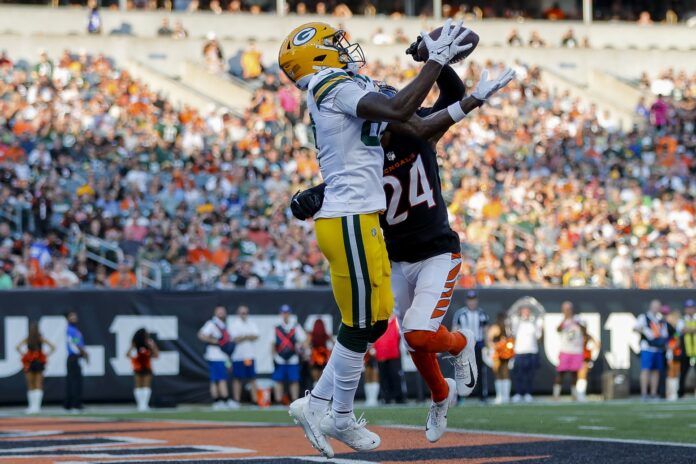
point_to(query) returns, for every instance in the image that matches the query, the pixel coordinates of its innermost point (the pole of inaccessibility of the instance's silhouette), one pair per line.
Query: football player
(348, 115)
(423, 249)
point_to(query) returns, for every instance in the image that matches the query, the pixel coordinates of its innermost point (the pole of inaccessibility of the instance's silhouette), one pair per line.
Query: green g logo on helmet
(304, 36)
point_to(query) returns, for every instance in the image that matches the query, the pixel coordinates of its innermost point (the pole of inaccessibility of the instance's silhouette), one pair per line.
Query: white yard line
(553, 436)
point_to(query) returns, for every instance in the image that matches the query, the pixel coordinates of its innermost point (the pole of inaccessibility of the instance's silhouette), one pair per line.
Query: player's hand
(413, 50)
(305, 204)
(487, 87)
(448, 45)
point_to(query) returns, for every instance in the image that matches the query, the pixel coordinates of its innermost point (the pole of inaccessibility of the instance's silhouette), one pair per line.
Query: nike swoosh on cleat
(473, 380)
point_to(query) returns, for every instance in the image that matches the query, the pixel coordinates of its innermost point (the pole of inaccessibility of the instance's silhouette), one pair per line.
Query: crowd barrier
(108, 320)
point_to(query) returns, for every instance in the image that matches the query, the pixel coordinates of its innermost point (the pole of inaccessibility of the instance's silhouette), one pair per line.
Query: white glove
(448, 45)
(485, 87)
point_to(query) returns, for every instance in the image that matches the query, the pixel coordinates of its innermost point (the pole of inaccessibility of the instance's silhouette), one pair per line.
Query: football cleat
(436, 423)
(465, 368)
(355, 435)
(309, 420)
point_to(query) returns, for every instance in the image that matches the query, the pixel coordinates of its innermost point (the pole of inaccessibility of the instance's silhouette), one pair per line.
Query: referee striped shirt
(475, 321)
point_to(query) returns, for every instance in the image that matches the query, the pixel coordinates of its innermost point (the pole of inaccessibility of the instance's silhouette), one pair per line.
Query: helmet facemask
(351, 54)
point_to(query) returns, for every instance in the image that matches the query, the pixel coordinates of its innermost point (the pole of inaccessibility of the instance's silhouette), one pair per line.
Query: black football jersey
(415, 223)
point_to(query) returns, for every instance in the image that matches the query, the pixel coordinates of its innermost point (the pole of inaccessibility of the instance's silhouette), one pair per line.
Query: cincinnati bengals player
(348, 114)
(423, 249)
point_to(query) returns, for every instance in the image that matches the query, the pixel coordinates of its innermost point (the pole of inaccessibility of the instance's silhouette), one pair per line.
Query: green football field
(653, 421)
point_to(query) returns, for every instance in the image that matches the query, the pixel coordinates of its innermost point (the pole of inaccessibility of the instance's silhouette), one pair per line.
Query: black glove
(305, 204)
(413, 49)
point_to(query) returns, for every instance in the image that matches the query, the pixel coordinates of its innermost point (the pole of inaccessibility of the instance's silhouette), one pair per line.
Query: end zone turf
(205, 437)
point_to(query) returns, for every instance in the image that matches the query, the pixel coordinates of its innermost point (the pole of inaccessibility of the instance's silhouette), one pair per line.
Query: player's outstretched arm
(376, 107)
(437, 123)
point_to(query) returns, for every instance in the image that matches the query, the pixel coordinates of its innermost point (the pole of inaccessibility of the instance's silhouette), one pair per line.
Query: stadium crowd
(542, 188)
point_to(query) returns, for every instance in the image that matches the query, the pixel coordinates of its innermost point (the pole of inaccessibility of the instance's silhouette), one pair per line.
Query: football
(472, 38)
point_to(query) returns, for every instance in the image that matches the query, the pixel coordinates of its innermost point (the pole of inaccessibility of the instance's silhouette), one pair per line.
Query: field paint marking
(594, 427)
(217, 459)
(553, 436)
(29, 433)
(56, 445)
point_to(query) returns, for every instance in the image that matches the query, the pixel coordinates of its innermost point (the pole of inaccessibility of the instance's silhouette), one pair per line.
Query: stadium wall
(109, 319)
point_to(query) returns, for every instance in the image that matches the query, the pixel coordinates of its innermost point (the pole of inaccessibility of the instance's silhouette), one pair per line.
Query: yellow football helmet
(314, 46)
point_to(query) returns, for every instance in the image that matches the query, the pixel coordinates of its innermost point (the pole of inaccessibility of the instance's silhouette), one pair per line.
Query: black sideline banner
(108, 320)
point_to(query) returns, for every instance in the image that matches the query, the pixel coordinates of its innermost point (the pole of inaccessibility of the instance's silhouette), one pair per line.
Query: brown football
(472, 38)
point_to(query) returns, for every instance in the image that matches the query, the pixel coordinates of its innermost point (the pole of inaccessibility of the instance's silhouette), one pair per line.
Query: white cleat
(465, 368)
(309, 421)
(355, 435)
(437, 416)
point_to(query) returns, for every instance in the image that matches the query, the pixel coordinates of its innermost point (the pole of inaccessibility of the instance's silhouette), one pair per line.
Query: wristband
(456, 112)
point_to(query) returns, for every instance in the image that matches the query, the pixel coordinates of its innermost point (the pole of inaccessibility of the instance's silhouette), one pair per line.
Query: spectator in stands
(644, 19)
(382, 38)
(285, 349)
(320, 8)
(653, 340)
(658, 113)
(527, 331)
(473, 318)
(555, 13)
(164, 29)
(142, 351)
(6, 282)
(179, 31)
(568, 39)
(212, 53)
(514, 39)
(215, 335)
(251, 61)
(535, 40)
(75, 343)
(63, 276)
(572, 332)
(94, 21)
(123, 277)
(34, 359)
(388, 355)
(244, 333)
(342, 11)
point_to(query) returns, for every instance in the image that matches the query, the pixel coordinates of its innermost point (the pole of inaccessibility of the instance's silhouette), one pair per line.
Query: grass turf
(665, 422)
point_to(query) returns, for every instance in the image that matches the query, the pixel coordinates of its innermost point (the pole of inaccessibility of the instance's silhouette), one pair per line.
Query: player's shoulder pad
(323, 82)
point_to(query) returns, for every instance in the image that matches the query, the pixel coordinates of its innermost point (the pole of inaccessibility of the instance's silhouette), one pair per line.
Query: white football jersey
(350, 156)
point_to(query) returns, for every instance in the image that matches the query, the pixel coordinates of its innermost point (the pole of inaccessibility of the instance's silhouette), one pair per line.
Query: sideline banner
(108, 320)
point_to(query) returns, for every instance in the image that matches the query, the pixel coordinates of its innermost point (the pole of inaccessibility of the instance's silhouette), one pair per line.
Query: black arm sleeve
(451, 89)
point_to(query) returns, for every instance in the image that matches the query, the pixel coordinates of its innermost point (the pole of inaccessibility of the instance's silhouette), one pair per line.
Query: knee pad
(377, 330)
(354, 338)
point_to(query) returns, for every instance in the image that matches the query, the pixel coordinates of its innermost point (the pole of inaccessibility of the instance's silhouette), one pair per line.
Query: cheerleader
(141, 352)
(320, 349)
(502, 346)
(34, 363)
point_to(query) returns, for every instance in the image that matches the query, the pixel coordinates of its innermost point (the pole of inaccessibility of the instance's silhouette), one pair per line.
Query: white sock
(371, 393)
(574, 392)
(323, 390)
(581, 389)
(147, 392)
(556, 390)
(348, 367)
(508, 389)
(137, 396)
(498, 390)
(38, 398)
(30, 400)
(672, 389)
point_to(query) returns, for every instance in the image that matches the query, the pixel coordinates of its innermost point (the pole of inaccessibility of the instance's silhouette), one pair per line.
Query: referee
(473, 318)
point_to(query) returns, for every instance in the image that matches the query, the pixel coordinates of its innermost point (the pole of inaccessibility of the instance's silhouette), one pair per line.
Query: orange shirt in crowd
(122, 280)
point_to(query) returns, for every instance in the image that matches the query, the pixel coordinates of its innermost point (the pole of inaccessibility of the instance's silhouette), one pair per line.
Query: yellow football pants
(360, 269)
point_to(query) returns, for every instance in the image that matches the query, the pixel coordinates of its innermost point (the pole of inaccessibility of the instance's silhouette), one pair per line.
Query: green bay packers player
(348, 115)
